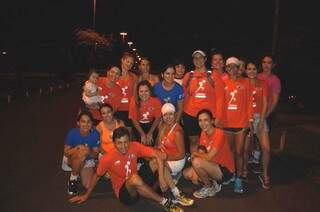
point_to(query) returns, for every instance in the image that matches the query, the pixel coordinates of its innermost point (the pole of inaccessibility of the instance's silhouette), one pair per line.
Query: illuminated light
(134, 50)
(4, 53)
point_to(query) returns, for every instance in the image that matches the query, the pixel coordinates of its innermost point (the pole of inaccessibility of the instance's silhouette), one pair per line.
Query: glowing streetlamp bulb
(134, 50)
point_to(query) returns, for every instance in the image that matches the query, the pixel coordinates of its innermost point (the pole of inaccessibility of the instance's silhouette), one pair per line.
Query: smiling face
(217, 62)
(199, 60)
(168, 75)
(106, 114)
(144, 92)
(251, 71)
(205, 122)
(85, 124)
(144, 66)
(113, 74)
(233, 70)
(122, 144)
(168, 118)
(127, 63)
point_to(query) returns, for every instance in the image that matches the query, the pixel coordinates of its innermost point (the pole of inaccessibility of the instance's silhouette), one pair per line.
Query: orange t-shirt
(201, 95)
(168, 140)
(122, 166)
(258, 91)
(148, 111)
(219, 141)
(111, 96)
(238, 103)
(106, 135)
(127, 88)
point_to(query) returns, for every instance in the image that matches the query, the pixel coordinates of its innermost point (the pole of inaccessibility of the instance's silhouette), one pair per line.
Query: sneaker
(171, 207)
(183, 200)
(264, 183)
(73, 187)
(238, 188)
(107, 176)
(232, 179)
(256, 170)
(216, 186)
(204, 192)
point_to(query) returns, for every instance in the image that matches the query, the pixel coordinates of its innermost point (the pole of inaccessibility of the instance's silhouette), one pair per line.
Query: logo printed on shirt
(145, 117)
(167, 99)
(232, 103)
(127, 169)
(199, 92)
(254, 104)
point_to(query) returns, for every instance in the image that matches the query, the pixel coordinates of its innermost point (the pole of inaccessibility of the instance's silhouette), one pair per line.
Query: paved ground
(32, 136)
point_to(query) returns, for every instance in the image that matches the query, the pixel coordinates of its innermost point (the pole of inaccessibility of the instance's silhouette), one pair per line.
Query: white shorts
(256, 120)
(176, 166)
(65, 164)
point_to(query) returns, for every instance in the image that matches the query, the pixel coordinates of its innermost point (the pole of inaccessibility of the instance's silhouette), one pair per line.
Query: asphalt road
(32, 138)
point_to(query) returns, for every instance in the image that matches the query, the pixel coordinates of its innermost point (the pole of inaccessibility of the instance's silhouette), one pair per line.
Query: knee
(197, 162)
(187, 174)
(135, 180)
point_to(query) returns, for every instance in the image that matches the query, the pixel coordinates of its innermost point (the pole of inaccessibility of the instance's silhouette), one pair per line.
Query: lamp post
(94, 14)
(130, 44)
(123, 35)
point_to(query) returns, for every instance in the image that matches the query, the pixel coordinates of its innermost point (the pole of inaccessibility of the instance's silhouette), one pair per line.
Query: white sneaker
(204, 192)
(216, 186)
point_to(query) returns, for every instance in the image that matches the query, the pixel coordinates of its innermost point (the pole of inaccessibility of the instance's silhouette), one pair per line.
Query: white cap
(167, 108)
(200, 52)
(233, 60)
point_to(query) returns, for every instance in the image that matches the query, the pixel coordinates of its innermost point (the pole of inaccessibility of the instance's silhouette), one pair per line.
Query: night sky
(163, 30)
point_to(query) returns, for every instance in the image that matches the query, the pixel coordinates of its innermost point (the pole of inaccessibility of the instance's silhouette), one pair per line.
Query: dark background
(38, 36)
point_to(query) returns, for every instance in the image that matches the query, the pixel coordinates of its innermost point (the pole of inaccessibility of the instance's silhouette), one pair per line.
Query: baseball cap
(167, 108)
(233, 60)
(200, 52)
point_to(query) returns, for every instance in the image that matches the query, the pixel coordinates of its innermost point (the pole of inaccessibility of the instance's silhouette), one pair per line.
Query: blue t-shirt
(74, 138)
(172, 96)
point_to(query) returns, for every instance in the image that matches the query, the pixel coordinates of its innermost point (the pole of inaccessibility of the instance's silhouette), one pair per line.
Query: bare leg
(265, 146)
(86, 175)
(206, 170)
(247, 144)
(239, 144)
(76, 162)
(190, 174)
(194, 142)
(136, 185)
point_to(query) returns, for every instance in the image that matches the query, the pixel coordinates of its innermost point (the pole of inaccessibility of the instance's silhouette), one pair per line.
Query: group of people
(142, 130)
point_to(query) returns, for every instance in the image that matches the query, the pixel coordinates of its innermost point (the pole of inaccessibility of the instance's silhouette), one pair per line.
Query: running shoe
(216, 186)
(230, 180)
(204, 192)
(171, 207)
(73, 187)
(253, 160)
(256, 169)
(264, 183)
(238, 188)
(183, 200)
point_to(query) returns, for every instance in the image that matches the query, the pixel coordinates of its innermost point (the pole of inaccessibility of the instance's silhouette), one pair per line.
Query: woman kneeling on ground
(213, 163)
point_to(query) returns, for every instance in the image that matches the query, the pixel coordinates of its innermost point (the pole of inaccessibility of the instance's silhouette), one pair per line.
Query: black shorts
(146, 173)
(233, 130)
(145, 127)
(226, 174)
(124, 116)
(125, 197)
(190, 125)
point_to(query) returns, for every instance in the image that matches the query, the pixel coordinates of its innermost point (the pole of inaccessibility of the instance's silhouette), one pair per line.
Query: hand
(162, 155)
(79, 199)
(83, 149)
(144, 139)
(149, 139)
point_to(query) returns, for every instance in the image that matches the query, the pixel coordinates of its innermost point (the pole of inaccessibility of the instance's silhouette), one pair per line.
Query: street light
(123, 34)
(94, 14)
(134, 49)
(130, 43)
